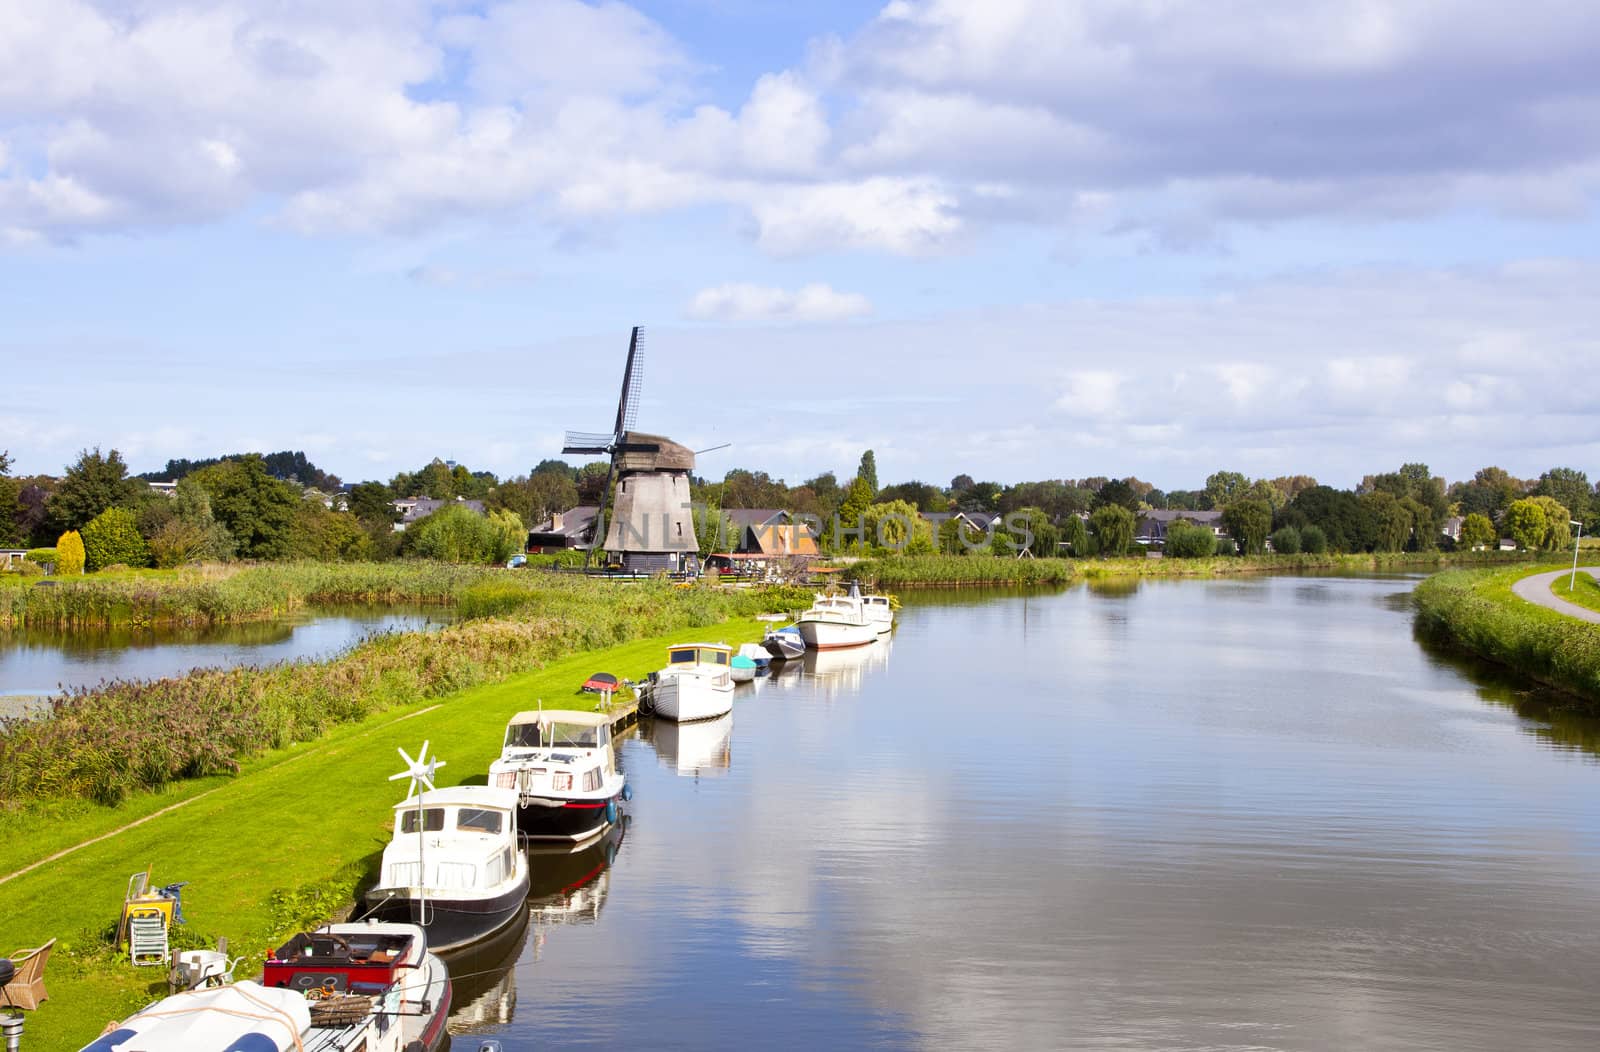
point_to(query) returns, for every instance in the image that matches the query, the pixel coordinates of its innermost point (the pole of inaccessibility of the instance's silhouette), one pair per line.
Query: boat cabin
(555, 751)
(473, 841)
(715, 654)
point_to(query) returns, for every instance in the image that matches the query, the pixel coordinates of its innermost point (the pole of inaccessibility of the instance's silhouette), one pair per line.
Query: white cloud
(745, 302)
(904, 216)
(1091, 393)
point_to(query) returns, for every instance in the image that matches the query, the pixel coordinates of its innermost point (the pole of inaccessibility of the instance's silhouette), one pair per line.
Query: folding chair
(147, 937)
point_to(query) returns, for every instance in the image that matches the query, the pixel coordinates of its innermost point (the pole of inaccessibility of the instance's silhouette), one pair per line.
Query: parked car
(516, 561)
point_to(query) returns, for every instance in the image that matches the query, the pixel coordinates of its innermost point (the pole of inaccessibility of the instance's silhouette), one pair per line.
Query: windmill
(652, 527)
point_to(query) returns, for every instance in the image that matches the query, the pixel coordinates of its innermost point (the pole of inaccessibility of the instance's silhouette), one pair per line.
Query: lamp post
(1573, 580)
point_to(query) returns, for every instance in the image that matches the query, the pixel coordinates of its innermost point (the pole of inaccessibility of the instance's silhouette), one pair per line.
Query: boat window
(574, 735)
(681, 657)
(721, 658)
(479, 820)
(523, 736)
(433, 822)
(591, 780)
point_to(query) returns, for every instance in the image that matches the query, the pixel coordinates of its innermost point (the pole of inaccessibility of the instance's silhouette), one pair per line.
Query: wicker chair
(26, 988)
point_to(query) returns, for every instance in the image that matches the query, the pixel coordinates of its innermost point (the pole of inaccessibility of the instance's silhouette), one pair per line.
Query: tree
(1112, 526)
(112, 538)
(328, 536)
(980, 496)
(1557, 523)
(10, 507)
(591, 481)
(853, 511)
(1118, 492)
(1186, 540)
(457, 534)
(69, 554)
(1346, 524)
(1313, 540)
(1391, 520)
(1223, 486)
(1291, 486)
(1030, 530)
(1568, 487)
(257, 510)
(1525, 521)
(1075, 534)
(896, 526)
(372, 502)
(1489, 493)
(1477, 531)
(91, 485)
(869, 471)
(1286, 540)
(1248, 522)
(921, 495)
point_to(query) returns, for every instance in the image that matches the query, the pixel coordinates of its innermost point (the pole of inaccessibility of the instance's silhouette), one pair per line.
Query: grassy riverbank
(1477, 611)
(910, 571)
(106, 742)
(1584, 591)
(287, 843)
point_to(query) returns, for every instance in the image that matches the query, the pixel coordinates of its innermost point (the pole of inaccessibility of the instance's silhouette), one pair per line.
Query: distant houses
(563, 530)
(415, 509)
(1152, 527)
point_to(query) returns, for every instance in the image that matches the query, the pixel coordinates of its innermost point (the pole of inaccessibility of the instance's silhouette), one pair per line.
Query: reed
(105, 742)
(1477, 611)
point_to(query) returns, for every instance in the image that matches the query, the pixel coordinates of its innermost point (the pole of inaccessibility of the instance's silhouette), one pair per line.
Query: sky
(1018, 239)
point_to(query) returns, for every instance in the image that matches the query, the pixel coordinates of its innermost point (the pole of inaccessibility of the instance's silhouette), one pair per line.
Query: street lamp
(1574, 579)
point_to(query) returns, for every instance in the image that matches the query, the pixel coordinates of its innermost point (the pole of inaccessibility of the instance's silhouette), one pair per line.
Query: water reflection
(483, 981)
(1250, 814)
(568, 886)
(703, 748)
(843, 671)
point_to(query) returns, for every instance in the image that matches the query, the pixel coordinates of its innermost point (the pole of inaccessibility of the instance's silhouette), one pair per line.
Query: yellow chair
(26, 988)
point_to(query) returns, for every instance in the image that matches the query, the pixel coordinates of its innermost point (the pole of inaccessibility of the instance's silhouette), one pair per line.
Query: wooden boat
(357, 987)
(836, 621)
(697, 683)
(564, 770)
(453, 867)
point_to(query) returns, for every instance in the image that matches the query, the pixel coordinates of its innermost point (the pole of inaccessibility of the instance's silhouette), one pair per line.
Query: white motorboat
(784, 644)
(356, 987)
(454, 867)
(697, 683)
(564, 770)
(880, 611)
(836, 621)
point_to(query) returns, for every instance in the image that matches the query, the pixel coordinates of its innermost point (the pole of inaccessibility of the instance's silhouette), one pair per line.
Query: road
(1536, 589)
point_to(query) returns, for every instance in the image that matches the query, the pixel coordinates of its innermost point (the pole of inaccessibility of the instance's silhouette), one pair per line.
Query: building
(1452, 527)
(651, 527)
(1152, 527)
(563, 530)
(415, 509)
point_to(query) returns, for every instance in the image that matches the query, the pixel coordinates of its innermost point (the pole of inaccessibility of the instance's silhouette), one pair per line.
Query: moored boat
(757, 655)
(697, 683)
(564, 770)
(836, 621)
(784, 644)
(356, 987)
(880, 611)
(453, 867)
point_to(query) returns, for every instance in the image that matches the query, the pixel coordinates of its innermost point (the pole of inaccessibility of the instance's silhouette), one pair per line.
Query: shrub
(1477, 530)
(69, 553)
(458, 535)
(1286, 541)
(1313, 541)
(113, 537)
(27, 569)
(42, 556)
(1185, 540)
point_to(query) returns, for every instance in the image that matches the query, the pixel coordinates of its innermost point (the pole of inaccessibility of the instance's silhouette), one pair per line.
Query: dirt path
(1536, 589)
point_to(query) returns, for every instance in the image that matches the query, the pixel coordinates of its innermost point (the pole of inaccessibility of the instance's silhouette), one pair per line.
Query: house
(10, 558)
(1508, 544)
(573, 528)
(971, 521)
(1452, 527)
(1153, 524)
(415, 509)
(771, 533)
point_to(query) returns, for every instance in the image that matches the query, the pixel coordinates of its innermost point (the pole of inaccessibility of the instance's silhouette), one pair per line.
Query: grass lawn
(287, 842)
(1586, 591)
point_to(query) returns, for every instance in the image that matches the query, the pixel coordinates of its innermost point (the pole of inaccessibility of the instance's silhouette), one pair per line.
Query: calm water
(36, 661)
(1248, 814)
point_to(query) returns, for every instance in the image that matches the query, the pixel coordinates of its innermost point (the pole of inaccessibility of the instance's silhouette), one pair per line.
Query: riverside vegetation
(1476, 610)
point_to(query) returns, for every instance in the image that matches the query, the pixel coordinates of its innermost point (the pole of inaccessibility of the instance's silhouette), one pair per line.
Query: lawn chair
(25, 989)
(147, 936)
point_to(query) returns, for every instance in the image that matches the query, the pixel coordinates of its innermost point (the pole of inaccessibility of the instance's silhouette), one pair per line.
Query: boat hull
(452, 923)
(785, 646)
(685, 699)
(552, 818)
(834, 635)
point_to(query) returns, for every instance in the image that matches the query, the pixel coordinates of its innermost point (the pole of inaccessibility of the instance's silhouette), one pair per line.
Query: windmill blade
(590, 442)
(632, 384)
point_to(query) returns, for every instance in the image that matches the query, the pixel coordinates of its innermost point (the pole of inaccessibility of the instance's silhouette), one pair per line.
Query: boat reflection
(483, 978)
(569, 885)
(844, 670)
(700, 749)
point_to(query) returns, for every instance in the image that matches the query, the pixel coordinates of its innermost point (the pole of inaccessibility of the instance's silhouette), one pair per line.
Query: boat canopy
(583, 719)
(480, 796)
(699, 653)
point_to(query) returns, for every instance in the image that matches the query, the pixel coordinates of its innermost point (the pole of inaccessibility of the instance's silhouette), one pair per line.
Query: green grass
(1477, 611)
(286, 843)
(1585, 591)
(946, 570)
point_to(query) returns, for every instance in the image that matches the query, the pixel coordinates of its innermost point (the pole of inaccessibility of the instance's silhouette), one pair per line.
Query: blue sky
(1017, 240)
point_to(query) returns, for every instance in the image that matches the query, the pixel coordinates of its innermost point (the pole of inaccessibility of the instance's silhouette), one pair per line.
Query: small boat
(601, 683)
(356, 987)
(563, 768)
(757, 654)
(453, 867)
(880, 611)
(784, 644)
(836, 621)
(696, 684)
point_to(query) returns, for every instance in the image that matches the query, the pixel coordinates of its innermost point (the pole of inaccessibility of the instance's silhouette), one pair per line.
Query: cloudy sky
(1017, 239)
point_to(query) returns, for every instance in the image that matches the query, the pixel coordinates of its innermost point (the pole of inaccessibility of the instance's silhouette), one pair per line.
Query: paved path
(1536, 589)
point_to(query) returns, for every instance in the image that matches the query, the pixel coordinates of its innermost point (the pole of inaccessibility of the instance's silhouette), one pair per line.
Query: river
(1234, 814)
